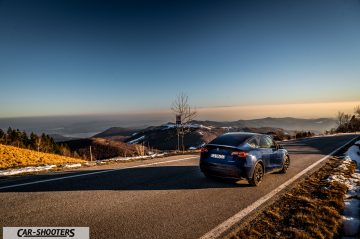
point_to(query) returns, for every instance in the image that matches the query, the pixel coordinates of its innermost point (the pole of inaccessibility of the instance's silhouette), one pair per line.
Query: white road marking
(97, 172)
(223, 227)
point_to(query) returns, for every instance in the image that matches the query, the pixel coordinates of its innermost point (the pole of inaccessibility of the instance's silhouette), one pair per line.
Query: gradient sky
(94, 57)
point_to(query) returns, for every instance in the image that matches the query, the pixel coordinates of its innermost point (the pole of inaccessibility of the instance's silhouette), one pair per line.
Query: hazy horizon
(230, 113)
(82, 126)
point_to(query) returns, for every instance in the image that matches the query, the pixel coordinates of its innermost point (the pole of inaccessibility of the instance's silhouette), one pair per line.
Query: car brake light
(203, 150)
(239, 154)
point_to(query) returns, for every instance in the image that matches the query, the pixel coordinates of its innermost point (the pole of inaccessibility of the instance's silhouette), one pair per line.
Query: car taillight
(203, 150)
(239, 154)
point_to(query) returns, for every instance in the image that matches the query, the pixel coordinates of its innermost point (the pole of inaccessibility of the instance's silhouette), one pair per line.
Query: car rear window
(231, 139)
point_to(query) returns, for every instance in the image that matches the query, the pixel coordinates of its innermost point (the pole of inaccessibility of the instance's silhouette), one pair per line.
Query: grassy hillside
(164, 138)
(13, 157)
(116, 131)
(102, 148)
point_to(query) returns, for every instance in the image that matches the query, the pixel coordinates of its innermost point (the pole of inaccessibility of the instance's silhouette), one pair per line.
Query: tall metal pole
(178, 123)
(178, 134)
(90, 154)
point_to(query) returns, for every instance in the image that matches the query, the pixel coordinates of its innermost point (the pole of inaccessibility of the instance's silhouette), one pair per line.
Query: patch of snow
(340, 178)
(350, 183)
(197, 126)
(192, 126)
(205, 127)
(354, 153)
(226, 127)
(168, 126)
(30, 169)
(137, 140)
(90, 163)
(350, 226)
(351, 213)
(351, 208)
(134, 157)
(76, 165)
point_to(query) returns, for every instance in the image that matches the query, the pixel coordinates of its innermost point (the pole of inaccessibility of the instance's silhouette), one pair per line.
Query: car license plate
(217, 156)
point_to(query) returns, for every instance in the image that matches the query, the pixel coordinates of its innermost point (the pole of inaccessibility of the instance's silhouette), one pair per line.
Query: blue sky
(91, 57)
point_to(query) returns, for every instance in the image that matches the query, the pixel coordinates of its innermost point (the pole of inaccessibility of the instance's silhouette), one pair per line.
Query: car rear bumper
(223, 170)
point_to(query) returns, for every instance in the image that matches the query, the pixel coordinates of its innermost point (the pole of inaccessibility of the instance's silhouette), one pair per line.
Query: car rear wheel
(258, 175)
(286, 164)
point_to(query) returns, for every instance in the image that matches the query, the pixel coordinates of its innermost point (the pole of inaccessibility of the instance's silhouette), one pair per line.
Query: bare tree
(357, 110)
(340, 118)
(182, 109)
(347, 118)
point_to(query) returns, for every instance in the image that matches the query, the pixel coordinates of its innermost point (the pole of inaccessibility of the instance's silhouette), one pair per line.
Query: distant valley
(83, 127)
(164, 137)
(81, 137)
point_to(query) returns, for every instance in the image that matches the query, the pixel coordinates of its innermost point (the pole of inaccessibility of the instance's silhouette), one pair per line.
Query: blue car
(243, 156)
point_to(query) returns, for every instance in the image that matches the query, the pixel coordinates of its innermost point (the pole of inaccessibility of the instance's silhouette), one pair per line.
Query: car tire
(286, 164)
(258, 175)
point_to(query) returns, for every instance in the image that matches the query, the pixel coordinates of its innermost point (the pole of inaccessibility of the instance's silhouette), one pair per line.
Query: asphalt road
(166, 200)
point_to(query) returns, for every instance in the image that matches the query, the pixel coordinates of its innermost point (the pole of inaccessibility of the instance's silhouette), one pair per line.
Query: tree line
(348, 122)
(41, 143)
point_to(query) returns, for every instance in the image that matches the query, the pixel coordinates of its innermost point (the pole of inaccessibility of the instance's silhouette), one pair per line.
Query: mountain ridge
(286, 123)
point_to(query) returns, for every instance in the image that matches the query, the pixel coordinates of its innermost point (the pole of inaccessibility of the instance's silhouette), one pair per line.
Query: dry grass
(12, 157)
(310, 210)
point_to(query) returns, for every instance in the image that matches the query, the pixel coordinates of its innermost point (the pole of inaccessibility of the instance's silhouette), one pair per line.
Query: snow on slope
(351, 213)
(33, 169)
(137, 140)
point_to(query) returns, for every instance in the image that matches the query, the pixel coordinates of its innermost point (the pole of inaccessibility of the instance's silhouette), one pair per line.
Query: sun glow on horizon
(225, 113)
(301, 110)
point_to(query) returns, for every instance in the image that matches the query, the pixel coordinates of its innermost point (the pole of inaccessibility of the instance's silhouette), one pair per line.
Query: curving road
(166, 198)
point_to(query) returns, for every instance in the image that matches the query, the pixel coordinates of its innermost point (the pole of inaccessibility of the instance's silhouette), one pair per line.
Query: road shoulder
(309, 209)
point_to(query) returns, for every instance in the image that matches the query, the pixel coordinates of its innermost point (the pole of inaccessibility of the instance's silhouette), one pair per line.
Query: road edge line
(227, 224)
(92, 173)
